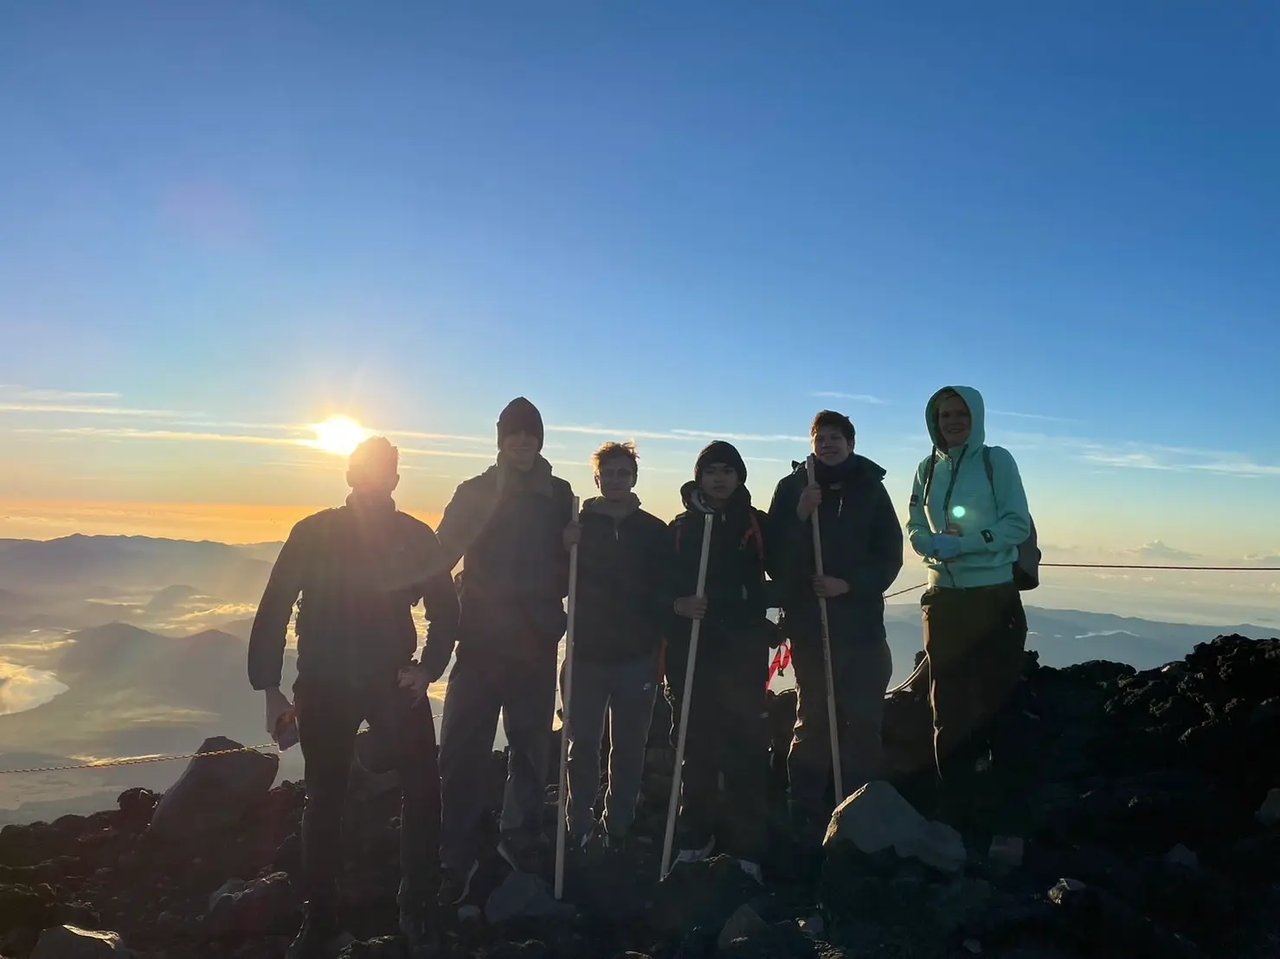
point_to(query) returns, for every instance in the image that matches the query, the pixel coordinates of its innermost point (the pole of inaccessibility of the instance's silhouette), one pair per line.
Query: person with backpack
(359, 569)
(969, 520)
(727, 736)
(861, 556)
(623, 605)
(508, 526)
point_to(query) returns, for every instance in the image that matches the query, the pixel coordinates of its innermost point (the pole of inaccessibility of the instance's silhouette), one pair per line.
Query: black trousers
(728, 741)
(330, 710)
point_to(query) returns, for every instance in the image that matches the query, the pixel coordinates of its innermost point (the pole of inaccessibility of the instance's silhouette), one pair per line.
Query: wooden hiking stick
(837, 778)
(674, 804)
(565, 699)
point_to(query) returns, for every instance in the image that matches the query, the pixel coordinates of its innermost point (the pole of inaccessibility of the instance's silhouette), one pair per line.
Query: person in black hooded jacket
(861, 557)
(727, 731)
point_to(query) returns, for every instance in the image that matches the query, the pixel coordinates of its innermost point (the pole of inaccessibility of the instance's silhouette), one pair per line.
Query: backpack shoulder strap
(991, 474)
(753, 532)
(928, 478)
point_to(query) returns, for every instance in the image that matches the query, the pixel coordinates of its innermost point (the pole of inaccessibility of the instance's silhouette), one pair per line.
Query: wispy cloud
(1160, 552)
(440, 437)
(82, 409)
(14, 392)
(455, 454)
(680, 435)
(1042, 417)
(610, 431)
(1124, 460)
(1137, 455)
(743, 437)
(125, 433)
(1144, 457)
(192, 436)
(855, 397)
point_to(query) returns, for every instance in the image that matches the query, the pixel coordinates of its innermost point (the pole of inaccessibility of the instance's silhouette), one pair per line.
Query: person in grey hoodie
(508, 525)
(622, 606)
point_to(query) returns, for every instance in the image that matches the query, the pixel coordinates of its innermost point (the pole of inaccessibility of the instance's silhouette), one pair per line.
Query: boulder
(702, 894)
(25, 907)
(744, 922)
(784, 940)
(877, 818)
(263, 907)
(71, 942)
(213, 792)
(383, 947)
(524, 896)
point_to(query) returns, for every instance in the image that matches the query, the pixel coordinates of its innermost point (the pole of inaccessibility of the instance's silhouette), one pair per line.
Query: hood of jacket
(977, 414)
(614, 509)
(694, 502)
(855, 469)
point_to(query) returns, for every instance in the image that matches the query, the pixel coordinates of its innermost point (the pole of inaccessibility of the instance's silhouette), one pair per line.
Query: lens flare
(957, 512)
(339, 435)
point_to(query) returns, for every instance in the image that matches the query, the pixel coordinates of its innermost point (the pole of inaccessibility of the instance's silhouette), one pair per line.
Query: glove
(946, 546)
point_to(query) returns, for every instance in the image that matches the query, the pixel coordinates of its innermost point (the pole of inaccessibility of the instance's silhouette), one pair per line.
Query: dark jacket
(359, 569)
(735, 587)
(861, 544)
(515, 567)
(624, 592)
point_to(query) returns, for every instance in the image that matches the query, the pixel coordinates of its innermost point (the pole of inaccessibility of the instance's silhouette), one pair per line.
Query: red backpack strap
(781, 660)
(753, 532)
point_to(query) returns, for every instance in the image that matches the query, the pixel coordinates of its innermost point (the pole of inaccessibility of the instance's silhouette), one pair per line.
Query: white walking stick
(566, 693)
(684, 706)
(837, 778)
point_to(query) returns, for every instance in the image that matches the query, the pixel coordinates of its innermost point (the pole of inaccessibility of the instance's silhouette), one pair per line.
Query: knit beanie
(720, 452)
(520, 416)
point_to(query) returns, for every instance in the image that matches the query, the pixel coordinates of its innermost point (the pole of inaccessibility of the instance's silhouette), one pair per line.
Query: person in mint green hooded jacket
(968, 525)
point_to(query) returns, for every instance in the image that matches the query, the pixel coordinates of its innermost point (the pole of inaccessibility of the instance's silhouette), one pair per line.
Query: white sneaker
(752, 869)
(696, 855)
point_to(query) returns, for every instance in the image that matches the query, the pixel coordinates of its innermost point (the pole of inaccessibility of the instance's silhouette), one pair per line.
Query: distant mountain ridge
(83, 565)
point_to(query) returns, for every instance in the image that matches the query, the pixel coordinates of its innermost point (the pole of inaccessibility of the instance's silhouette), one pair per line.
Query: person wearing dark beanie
(507, 524)
(521, 416)
(720, 452)
(726, 735)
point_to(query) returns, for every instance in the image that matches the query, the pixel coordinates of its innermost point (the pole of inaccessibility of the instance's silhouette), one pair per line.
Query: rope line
(136, 760)
(1230, 569)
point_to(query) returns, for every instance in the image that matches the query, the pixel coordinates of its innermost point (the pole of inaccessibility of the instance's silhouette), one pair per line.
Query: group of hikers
(357, 571)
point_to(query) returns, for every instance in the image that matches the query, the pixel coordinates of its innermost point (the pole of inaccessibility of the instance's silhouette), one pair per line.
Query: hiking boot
(418, 929)
(320, 937)
(455, 884)
(526, 854)
(617, 844)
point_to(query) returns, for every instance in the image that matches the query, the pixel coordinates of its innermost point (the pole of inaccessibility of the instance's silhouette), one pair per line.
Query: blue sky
(234, 220)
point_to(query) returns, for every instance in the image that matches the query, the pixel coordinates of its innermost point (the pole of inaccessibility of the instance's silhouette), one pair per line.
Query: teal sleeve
(918, 531)
(1013, 518)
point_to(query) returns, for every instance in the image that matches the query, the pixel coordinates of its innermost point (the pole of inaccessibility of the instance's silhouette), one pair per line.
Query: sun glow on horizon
(339, 435)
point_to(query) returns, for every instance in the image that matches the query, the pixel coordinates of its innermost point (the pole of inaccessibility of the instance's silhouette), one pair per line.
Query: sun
(339, 435)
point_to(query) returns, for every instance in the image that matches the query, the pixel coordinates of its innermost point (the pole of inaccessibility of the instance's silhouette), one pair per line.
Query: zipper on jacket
(946, 505)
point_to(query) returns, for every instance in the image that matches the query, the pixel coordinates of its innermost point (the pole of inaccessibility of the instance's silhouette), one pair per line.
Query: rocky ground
(1133, 814)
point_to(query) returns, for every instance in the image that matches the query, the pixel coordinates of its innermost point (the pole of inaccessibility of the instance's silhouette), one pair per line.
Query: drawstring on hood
(695, 501)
